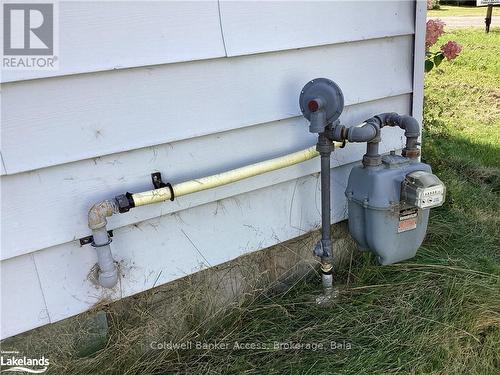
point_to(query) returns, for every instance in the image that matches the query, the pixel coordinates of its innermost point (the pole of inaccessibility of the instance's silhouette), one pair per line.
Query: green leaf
(438, 58)
(428, 65)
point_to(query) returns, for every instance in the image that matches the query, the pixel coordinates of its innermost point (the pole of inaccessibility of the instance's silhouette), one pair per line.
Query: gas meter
(389, 206)
(389, 197)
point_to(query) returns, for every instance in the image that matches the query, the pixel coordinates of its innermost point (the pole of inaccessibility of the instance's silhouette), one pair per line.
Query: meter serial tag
(407, 219)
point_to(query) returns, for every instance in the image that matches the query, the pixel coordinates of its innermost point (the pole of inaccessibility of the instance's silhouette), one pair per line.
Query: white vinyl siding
(187, 89)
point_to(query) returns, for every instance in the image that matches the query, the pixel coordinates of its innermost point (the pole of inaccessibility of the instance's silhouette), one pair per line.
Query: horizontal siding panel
(261, 26)
(112, 35)
(23, 304)
(72, 118)
(49, 206)
(164, 249)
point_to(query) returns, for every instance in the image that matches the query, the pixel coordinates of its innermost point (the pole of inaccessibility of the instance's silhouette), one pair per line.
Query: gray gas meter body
(389, 206)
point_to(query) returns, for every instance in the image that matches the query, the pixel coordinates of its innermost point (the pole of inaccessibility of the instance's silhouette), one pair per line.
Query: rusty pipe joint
(97, 220)
(99, 212)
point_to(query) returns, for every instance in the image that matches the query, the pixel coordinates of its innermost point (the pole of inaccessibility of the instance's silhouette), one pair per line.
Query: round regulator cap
(330, 94)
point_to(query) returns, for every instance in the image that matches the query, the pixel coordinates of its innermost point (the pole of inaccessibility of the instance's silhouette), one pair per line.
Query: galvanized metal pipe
(325, 149)
(108, 271)
(325, 205)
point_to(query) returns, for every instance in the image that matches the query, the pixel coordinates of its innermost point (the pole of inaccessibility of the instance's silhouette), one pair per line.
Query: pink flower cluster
(435, 28)
(451, 50)
(430, 4)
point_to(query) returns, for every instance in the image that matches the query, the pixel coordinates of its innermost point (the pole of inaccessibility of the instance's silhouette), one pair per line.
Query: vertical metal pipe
(326, 242)
(108, 271)
(372, 149)
(325, 149)
(325, 205)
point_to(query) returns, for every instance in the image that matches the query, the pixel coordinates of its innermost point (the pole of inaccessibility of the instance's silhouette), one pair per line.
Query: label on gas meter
(407, 219)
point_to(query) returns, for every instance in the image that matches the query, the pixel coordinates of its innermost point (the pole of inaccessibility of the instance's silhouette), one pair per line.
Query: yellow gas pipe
(224, 178)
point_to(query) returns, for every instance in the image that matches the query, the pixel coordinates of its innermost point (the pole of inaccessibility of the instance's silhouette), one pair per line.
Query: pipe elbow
(411, 126)
(99, 212)
(408, 123)
(364, 133)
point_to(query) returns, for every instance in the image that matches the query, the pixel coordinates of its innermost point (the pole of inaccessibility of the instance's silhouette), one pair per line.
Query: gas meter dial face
(430, 197)
(423, 190)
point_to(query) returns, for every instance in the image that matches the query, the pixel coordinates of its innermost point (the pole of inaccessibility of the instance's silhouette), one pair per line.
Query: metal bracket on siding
(89, 239)
(158, 184)
(157, 181)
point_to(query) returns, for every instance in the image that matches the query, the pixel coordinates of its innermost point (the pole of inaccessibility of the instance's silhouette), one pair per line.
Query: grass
(438, 313)
(450, 10)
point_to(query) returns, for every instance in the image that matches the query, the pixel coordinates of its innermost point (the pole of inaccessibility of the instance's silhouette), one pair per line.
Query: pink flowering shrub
(434, 30)
(432, 4)
(450, 50)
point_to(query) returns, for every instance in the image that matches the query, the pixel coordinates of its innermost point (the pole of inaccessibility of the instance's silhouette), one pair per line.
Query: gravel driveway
(468, 21)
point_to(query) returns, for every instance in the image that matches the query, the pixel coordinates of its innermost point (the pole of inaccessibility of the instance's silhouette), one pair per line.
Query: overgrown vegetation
(437, 313)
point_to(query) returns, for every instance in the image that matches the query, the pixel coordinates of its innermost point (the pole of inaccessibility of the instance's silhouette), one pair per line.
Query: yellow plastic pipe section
(224, 178)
